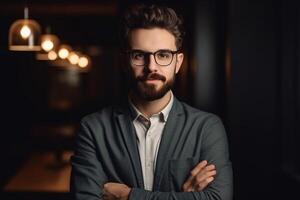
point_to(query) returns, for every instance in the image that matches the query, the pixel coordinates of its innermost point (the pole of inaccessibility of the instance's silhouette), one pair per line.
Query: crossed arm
(206, 182)
(199, 178)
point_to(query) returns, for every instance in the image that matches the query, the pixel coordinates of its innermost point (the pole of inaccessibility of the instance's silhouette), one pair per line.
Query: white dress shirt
(149, 132)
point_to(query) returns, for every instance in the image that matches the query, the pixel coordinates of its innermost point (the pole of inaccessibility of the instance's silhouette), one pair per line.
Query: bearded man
(153, 146)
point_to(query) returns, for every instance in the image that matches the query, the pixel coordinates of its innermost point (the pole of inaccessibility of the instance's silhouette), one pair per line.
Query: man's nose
(151, 64)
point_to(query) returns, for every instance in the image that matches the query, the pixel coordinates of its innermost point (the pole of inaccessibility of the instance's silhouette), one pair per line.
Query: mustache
(153, 76)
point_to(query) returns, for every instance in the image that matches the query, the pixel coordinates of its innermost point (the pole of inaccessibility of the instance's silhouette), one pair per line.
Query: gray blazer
(106, 151)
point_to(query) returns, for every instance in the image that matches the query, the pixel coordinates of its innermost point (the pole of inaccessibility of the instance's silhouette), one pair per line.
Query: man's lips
(151, 80)
(152, 77)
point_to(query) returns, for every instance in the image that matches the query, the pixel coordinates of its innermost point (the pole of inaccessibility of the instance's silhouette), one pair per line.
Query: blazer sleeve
(87, 175)
(215, 151)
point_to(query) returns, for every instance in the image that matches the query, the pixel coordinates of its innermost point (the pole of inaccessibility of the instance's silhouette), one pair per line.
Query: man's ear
(179, 60)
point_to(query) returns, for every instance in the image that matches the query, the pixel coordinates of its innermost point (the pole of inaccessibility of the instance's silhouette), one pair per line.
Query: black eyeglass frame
(147, 54)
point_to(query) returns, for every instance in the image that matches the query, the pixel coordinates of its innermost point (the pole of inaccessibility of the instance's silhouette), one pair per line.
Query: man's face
(151, 81)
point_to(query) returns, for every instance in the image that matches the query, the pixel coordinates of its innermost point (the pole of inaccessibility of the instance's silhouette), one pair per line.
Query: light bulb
(52, 55)
(47, 45)
(83, 62)
(63, 53)
(73, 58)
(25, 32)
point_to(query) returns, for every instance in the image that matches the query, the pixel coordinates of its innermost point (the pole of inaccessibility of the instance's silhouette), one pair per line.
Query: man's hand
(200, 177)
(115, 191)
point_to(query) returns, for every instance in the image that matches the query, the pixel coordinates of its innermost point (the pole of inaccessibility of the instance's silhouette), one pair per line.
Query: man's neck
(148, 108)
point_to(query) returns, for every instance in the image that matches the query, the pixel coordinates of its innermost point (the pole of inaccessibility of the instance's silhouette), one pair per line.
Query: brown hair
(142, 16)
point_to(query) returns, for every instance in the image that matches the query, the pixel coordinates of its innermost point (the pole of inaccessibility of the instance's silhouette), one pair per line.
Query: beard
(148, 91)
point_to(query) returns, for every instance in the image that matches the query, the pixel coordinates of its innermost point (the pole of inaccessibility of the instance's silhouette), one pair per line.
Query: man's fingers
(108, 191)
(202, 179)
(204, 184)
(210, 167)
(187, 186)
(210, 179)
(204, 175)
(198, 168)
(106, 195)
(198, 185)
(207, 171)
(195, 171)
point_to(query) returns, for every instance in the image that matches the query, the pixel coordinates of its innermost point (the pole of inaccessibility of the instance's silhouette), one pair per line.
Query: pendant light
(84, 61)
(24, 34)
(64, 51)
(73, 57)
(52, 55)
(49, 43)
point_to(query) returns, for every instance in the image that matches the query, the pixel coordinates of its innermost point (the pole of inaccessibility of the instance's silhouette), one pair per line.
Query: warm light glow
(50, 42)
(47, 45)
(25, 32)
(52, 55)
(63, 53)
(83, 62)
(73, 58)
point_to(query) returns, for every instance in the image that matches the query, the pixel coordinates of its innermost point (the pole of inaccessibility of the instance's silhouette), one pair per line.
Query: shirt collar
(164, 113)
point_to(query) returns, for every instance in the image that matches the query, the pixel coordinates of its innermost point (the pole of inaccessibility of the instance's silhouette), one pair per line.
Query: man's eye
(138, 56)
(163, 55)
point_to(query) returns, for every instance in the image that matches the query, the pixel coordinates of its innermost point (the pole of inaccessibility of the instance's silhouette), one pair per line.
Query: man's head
(147, 17)
(152, 42)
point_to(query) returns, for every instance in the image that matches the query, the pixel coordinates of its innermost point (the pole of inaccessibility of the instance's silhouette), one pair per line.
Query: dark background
(242, 63)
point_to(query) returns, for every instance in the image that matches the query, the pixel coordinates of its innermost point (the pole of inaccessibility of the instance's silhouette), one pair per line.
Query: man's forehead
(151, 39)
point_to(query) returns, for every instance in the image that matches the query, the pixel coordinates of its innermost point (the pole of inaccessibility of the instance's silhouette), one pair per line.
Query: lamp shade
(24, 35)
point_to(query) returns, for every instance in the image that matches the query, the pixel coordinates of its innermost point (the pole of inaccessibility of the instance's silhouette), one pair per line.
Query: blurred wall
(242, 63)
(263, 98)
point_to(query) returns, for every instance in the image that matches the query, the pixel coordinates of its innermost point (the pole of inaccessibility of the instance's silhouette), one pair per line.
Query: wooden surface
(42, 173)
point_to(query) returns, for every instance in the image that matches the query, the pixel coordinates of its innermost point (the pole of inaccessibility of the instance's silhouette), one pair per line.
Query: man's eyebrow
(150, 51)
(165, 50)
(139, 50)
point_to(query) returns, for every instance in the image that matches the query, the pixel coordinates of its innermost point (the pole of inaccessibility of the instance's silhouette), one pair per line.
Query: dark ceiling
(80, 22)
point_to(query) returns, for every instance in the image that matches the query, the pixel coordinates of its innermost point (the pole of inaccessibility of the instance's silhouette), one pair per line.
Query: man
(154, 146)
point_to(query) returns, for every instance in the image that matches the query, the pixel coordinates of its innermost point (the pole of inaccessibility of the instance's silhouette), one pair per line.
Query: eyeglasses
(162, 57)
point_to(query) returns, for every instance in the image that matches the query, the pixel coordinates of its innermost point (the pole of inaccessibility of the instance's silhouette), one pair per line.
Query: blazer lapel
(129, 137)
(171, 135)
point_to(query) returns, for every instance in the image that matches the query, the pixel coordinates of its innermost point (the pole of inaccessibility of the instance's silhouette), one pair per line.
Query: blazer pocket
(179, 171)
